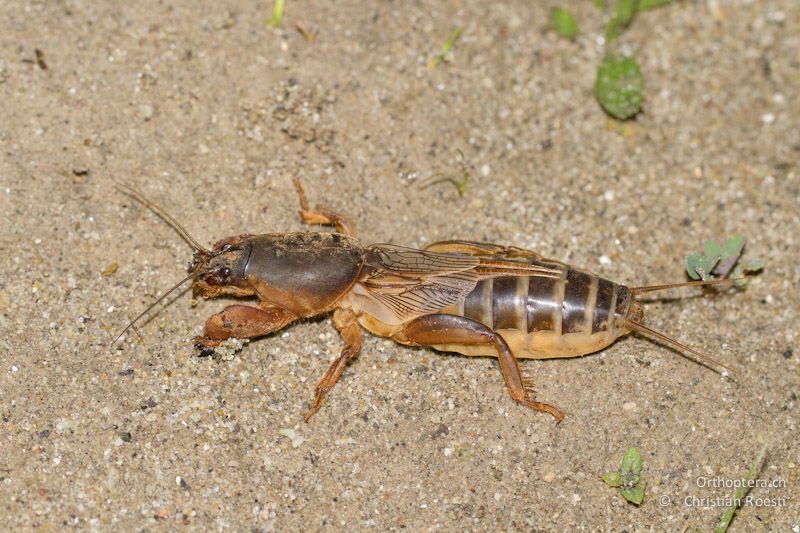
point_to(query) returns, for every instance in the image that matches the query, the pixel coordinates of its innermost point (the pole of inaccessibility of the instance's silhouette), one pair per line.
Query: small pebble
(293, 436)
(110, 269)
(629, 406)
(146, 111)
(776, 17)
(549, 476)
(440, 430)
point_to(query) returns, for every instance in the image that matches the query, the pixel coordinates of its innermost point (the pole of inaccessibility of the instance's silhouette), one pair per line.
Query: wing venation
(412, 282)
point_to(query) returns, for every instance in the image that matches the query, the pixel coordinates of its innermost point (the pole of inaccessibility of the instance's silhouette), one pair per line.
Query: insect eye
(224, 272)
(226, 247)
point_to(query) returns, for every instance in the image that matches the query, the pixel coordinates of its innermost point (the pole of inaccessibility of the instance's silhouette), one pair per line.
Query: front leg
(241, 322)
(438, 329)
(344, 320)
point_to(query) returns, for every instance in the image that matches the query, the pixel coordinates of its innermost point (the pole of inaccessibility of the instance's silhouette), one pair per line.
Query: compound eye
(226, 247)
(224, 273)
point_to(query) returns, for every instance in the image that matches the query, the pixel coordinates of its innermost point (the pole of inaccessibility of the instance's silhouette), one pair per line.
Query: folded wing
(410, 283)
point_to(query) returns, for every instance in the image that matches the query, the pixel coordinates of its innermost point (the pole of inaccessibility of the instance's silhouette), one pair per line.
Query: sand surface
(209, 111)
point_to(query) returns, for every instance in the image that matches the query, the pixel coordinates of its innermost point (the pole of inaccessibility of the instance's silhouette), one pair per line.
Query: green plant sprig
(628, 479)
(277, 13)
(444, 55)
(723, 261)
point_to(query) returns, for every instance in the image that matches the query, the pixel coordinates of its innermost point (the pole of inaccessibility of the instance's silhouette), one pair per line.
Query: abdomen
(542, 317)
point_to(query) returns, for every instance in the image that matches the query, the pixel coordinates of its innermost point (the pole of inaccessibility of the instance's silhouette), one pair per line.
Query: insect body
(457, 296)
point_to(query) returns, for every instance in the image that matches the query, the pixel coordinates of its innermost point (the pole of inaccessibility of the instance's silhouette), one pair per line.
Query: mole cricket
(472, 298)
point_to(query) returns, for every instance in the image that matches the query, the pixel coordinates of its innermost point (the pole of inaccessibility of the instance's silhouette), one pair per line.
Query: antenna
(166, 217)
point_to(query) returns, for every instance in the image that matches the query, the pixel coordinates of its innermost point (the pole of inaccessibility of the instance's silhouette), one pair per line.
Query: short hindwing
(414, 282)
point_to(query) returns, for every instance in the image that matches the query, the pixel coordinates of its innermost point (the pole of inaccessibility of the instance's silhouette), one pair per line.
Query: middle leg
(345, 321)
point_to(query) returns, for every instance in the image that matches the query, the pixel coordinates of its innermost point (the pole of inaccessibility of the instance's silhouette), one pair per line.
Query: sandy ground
(209, 111)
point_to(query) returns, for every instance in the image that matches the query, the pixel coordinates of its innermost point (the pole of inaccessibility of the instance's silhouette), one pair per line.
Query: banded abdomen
(541, 317)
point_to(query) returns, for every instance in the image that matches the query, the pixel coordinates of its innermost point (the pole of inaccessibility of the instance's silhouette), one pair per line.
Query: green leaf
(619, 86)
(564, 23)
(712, 253)
(644, 5)
(730, 253)
(613, 479)
(712, 249)
(624, 13)
(753, 265)
(631, 463)
(455, 35)
(621, 18)
(444, 55)
(692, 262)
(699, 266)
(635, 494)
(277, 13)
(741, 270)
(733, 246)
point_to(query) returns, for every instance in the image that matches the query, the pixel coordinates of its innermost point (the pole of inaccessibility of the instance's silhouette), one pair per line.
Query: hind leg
(439, 329)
